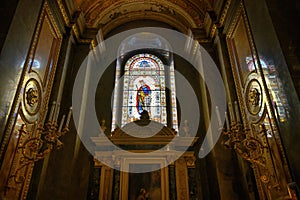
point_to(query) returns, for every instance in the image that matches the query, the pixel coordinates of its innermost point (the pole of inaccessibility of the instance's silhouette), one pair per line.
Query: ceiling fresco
(111, 13)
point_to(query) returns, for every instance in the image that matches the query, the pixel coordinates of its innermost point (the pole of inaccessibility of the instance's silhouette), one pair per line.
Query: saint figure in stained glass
(143, 98)
(144, 89)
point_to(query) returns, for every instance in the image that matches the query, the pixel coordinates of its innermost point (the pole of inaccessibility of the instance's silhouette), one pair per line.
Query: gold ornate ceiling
(181, 14)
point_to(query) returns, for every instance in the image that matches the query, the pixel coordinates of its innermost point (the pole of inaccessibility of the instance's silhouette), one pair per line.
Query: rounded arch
(142, 39)
(155, 80)
(181, 27)
(107, 15)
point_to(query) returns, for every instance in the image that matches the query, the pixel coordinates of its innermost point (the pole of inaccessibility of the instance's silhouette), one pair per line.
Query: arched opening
(145, 80)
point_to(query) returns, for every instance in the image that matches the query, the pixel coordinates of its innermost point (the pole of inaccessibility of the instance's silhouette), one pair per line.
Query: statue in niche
(103, 125)
(186, 128)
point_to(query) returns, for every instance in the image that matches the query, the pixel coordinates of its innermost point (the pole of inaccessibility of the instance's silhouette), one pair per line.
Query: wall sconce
(238, 137)
(246, 144)
(41, 139)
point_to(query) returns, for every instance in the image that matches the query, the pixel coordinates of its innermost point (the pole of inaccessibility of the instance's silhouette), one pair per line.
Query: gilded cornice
(112, 13)
(72, 22)
(221, 20)
(63, 12)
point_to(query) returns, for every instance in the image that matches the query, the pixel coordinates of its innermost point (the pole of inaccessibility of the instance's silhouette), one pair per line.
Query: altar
(135, 166)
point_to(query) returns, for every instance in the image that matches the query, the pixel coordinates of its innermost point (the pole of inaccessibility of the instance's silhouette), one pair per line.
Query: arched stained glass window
(144, 88)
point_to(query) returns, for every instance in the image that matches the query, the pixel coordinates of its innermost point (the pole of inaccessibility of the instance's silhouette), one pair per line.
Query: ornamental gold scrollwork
(250, 146)
(254, 97)
(190, 161)
(251, 149)
(32, 96)
(40, 141)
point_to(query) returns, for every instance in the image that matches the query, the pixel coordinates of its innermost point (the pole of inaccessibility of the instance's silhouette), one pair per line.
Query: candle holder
(40, 140)
(247, 146)
(251, 146)
(239, 137)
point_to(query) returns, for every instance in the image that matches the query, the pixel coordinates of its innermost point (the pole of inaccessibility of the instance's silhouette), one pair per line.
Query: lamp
(238, 136)
(41, 139)
(247, 144)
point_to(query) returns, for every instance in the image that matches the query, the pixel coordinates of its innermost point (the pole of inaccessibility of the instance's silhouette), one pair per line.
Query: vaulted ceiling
(181, 14)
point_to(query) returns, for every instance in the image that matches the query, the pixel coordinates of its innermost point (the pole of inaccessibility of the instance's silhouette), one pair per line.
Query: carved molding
(152, 132)
(95, 12)
(181, 172)
(253, 97)
(106, 183)
(221, 20)
(63, 11)
(34, 99)
(190, 161)
(110, 14)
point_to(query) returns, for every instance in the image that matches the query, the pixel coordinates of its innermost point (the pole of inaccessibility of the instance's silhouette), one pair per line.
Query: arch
(145, 78)
(108, 16)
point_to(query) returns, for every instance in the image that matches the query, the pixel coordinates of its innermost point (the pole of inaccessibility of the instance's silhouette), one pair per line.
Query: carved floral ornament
(32, 96)
(253, 97)
(39, 141)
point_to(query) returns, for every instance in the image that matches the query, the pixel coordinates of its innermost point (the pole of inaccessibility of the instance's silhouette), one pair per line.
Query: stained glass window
(144, 88)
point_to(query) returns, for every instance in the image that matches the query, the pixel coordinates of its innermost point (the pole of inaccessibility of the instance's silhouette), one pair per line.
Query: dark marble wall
(285, 18)
(65, 174)
(172, 182)
(116, 185)
(268, 46)
(94, 183)
(7, 12)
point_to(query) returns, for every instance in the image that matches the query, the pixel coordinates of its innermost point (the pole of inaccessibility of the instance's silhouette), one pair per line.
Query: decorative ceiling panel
(189, 13)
